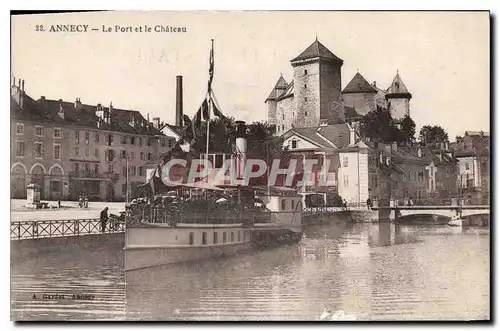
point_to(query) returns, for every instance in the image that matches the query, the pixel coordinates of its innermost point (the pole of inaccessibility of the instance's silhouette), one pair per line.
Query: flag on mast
(211, 68)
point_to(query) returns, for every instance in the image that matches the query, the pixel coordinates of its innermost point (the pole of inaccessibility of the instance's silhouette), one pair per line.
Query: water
(88, 265)
(373, 271)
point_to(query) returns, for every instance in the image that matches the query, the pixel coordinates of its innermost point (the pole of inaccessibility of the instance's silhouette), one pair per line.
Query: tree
(379, 126)
(261, 142)
(408, 129)
(433, 134)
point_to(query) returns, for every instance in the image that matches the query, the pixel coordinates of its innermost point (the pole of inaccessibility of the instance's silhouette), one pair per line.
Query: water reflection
(377, 271)
(85, 267)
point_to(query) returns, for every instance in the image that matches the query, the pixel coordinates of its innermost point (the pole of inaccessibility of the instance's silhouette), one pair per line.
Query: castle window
(467, 166)
(283, 117)
(305, 99)
(305, 85)
(305, 72)
(305, 113)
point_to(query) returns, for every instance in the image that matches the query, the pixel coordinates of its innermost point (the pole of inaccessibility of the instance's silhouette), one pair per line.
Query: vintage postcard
(250, 166)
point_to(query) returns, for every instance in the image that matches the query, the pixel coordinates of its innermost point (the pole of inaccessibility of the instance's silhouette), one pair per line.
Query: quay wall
(75, 247)
(364, 216)
(325, 218)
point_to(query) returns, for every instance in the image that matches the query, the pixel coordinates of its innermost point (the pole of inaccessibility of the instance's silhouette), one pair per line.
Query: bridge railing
(62, 228)
(442, 202)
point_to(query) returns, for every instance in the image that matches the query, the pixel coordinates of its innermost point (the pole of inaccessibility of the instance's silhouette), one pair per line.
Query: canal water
(370, 271)
(77, 278)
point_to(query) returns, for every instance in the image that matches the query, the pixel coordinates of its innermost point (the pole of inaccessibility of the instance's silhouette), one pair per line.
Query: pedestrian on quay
(104, 219)
(369, 203)
(86, 201)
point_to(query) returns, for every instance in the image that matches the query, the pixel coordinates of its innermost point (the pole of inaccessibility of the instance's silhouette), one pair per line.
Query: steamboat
(206, 218)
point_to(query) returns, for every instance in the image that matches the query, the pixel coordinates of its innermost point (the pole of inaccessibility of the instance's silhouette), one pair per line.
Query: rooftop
(317, 50)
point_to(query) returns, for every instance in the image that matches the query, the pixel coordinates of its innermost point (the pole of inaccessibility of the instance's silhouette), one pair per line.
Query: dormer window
(294, 143)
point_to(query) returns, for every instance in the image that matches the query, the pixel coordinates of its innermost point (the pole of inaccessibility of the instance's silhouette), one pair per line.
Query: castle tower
(399, 98)
(360, 95)
(317, 86)
(272, 99)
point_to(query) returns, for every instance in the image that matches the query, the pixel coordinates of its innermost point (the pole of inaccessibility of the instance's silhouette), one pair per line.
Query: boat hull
(138, 258)
(155, 246)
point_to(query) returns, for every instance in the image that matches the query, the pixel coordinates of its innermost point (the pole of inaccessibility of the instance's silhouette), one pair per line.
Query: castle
(315, 96)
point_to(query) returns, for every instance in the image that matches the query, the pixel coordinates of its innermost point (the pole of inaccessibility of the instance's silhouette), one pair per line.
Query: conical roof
(398, 88)
(278, 89)
(359, 84)
(317, 49)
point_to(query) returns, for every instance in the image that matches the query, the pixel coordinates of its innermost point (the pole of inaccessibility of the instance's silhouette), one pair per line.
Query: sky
(442, 57)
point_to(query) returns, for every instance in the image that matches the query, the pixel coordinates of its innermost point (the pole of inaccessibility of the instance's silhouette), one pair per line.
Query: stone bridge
(395, 212)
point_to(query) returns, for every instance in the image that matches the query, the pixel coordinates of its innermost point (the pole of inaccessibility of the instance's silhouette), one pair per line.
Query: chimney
(352, 135)
(374, 84)
(42, 97)
(241, 147)
(178, 102)
(22, 85)
(60, 112)
(78, 104)
(156, 122)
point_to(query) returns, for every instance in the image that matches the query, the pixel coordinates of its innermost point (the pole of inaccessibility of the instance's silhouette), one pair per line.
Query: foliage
(433, 134)
(261, 142)
(379, 126)
(408, 129)
(335, 200)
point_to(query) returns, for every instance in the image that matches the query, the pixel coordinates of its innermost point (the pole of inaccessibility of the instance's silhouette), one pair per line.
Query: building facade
(473, 154)
(72, 149)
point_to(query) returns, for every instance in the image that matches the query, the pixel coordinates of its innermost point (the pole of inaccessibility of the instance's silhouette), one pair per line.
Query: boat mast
(210, 106)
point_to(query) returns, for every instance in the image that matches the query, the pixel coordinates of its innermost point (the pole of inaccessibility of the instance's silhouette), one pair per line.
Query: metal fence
(62, 228)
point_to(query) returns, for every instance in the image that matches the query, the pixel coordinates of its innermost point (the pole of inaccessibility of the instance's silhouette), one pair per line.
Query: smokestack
(178, 102)
(241, 149)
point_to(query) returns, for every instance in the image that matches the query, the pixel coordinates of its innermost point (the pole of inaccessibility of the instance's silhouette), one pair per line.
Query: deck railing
(62, 228)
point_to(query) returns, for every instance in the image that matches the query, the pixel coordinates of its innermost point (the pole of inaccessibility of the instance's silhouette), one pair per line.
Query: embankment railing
(62, 228)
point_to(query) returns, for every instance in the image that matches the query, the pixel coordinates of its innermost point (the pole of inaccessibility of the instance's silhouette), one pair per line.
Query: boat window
(204, 238)
(224, 237)
(232, 236)
(239, 235)
(219, 160)
(215, 237)
(283, 204)
(191, 238)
